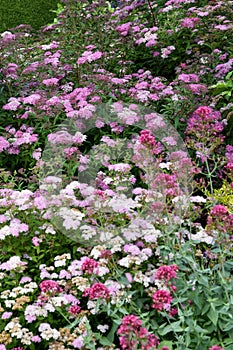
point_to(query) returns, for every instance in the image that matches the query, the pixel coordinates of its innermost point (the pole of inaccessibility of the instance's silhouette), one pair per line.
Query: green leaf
(174, 327)
(205, 309)
(73, 324)
(213, 314)
(104, 341)
(228, 327)
(111, 334)
(166, 343)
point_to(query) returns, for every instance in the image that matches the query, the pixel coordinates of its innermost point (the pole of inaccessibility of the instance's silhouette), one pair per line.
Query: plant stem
(151, 10)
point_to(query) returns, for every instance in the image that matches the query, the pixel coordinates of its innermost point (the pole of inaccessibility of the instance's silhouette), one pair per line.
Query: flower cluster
(132, 333)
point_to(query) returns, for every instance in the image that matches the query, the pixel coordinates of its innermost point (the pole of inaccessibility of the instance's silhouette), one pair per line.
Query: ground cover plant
(116, 182)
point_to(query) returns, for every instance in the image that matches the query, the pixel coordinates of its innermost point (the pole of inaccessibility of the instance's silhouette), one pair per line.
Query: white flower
(5, 34)
(91, 305)
(97, 251)
(47, 332)
(87, 231)
(198, 199)
(58, 301)
(9, 303)
(165, 165)
(202, 236)
(4, 231)
(103, 328)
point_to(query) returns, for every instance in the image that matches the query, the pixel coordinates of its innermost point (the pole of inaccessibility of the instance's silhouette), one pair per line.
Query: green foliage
(224, 88)
(35, 13)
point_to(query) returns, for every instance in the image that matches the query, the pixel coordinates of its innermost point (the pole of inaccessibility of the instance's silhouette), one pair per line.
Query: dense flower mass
(161, 300)
(132, 334)
(116, 178)
(96, 291)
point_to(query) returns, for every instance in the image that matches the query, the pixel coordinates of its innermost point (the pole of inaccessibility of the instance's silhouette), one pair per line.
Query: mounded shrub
(36, 13)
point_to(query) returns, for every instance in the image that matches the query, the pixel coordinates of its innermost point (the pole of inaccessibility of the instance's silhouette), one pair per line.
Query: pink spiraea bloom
(50, 82)
(190, 22)
(12, 105)
(220, 219)
(4, 144)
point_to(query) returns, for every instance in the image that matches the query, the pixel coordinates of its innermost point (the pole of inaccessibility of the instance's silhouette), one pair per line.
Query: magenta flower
(161, 299)
(219, 210)
(74, 310)
(166, 272)
(89, 265)
(132, 334)
(96, 291)
(50, 286)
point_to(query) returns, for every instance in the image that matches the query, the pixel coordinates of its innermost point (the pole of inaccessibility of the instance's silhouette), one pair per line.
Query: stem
(209, 176)
(151, 10)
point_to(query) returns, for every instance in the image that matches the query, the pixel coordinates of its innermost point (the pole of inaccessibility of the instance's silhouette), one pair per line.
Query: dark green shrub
(36, 13)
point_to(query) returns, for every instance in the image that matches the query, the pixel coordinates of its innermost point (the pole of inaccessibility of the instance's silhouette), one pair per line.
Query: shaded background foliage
(36, 13)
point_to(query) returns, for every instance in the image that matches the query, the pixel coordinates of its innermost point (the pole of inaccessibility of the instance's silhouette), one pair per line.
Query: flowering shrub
(116, 178)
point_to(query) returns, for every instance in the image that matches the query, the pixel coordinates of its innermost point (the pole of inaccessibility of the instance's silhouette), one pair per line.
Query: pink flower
(50, 82)
(146, 138)
(190, 22)
(123, 29)
(50, 286)
(89, 56)
(197, 88)
(11, 70)
(37, 153)
(32, 99)
(188, 78)
(216, 347)
(166, 272)
(74, 310)
(223, 26)
(160, 299)
(89, 265)
(133, 334)
(6, 315)
(12, 104)
(40, 202)
(4, 144)
(96, 291)
(129, 277)
(78, 343)
(36, 241)
(36, 339)
(219, 210)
